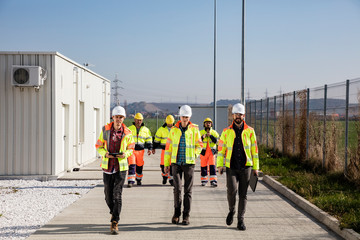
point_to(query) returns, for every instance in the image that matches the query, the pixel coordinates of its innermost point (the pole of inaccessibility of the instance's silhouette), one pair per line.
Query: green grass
(331, 192)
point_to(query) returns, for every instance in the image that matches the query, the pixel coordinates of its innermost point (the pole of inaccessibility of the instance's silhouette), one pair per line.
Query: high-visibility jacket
(142, 138)
(161, 136)
(192, 140)
(210, 140)
(126, 146)
(226, 146)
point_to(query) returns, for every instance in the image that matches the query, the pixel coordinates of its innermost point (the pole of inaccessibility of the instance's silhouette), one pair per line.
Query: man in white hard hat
(182, 148)
(115, 145)
(238, 149)
(160, 142)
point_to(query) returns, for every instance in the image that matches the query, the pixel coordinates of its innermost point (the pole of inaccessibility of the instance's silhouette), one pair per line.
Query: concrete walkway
(147, 212)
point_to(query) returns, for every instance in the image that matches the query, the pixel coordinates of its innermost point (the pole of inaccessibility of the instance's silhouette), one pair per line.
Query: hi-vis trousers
(208, 160)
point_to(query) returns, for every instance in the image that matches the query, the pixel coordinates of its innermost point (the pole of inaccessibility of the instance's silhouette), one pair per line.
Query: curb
(323, 217)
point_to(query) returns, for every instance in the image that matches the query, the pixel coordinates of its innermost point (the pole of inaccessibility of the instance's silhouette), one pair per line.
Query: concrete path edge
(328, 220)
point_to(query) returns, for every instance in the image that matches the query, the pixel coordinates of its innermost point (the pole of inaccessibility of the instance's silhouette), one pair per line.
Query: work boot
(203, 184)
(164, 180)
(186, 220)
(241, 226)
(114, 227)
(171, 182)
(175, 219)
(214, 184)
(230, 218)
(130, 184)
(138, 182)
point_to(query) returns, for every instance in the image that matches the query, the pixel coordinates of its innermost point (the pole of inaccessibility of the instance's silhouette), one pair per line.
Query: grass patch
(331, 192)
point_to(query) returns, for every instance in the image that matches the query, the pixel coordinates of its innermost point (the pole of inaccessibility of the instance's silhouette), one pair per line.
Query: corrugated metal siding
(25, 121)
(32, 122)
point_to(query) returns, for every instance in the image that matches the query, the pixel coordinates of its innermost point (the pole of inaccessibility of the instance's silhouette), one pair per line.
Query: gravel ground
(26, 205)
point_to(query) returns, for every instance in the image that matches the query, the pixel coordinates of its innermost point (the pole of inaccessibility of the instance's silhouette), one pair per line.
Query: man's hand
(256, 172)
(107, 155)
(221, 170)
(153, 151)
(149, 152)
(167, 169)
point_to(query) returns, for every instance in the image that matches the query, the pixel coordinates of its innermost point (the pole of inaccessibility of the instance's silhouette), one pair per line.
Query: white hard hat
(185, 111)
(118, 110)
(238, 108)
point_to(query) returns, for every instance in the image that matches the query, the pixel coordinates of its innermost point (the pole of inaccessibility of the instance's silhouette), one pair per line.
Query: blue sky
(162, 50)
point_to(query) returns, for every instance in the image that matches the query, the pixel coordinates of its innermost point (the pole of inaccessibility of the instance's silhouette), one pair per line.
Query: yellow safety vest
(192, 140)
(143, 139)
(127, 145)
(161, 136)
(207, 140)
(226, 146)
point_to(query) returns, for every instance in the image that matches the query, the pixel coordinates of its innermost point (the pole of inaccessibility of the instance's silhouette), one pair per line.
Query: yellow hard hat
(207, 120)
(139, 116)
(169, 119)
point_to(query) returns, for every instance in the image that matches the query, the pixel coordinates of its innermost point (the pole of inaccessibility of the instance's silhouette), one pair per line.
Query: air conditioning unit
(28, 76)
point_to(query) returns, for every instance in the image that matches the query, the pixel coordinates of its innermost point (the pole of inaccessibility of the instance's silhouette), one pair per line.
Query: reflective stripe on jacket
(226, 145)
(126, 146)
(144, 139)
(212, 145)
(161, 137)
(192, 140)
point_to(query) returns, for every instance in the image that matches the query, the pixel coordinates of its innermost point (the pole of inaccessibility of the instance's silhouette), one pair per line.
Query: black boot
(241, 226)
(230, 218)
(164, 180)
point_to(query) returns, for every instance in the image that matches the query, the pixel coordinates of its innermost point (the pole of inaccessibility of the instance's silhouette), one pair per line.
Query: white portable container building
(51, 113)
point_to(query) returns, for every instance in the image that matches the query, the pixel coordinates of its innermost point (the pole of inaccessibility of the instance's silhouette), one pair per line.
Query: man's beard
(238, 120)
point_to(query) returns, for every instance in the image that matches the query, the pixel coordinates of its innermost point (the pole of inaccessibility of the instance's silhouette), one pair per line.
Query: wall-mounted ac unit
(27, 76)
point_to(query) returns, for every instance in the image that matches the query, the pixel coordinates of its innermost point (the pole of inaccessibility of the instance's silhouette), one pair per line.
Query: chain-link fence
(319, 124)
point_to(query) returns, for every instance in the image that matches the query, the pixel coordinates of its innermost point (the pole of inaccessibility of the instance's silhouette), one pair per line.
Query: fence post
(307, 122)
(250, 112)
(294, 115)
(267, 122)
(283, 125)
(255, 116)
(324, 131)
(274, 122)
(346, 125)
(261, 117)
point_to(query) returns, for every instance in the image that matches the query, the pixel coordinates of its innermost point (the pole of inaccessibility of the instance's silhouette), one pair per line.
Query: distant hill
(168, 108)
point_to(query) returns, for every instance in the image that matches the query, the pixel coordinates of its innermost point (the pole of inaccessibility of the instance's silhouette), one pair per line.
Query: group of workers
(122, 149)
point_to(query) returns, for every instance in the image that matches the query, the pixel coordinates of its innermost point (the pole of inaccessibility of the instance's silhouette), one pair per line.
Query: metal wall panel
(25, 119)
(199, 113)
(31, 121)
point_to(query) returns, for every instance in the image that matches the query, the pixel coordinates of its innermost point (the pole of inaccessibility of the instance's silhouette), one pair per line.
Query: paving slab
(147, 212)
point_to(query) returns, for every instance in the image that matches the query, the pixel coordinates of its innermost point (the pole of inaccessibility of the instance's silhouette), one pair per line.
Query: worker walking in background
(115, 145)
(182, 148)
(160, 142)
(143, 139)
(238, 149)
(209, 138)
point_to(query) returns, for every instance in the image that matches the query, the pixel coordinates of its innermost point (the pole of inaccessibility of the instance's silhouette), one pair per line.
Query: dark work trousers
(177, 171)
(237, 181)
(113, 186)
